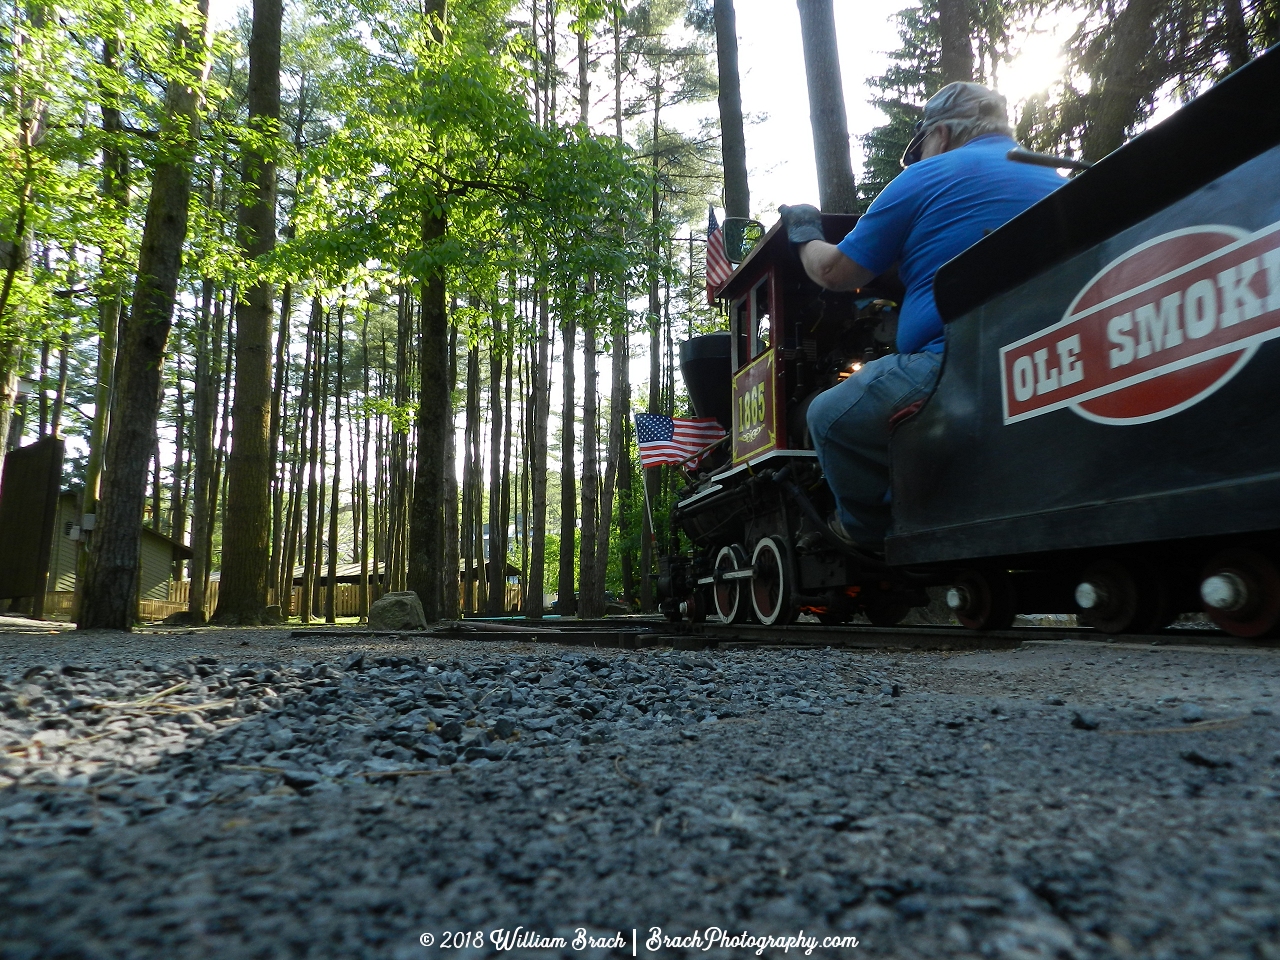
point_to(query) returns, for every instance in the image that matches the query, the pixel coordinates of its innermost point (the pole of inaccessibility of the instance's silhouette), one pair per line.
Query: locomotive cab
(754, 514)
(789, 340)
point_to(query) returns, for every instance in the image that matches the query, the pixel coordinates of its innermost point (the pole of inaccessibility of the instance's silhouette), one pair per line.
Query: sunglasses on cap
(916, 146)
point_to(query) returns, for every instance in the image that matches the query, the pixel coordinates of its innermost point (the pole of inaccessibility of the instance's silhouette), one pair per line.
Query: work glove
(803, 223)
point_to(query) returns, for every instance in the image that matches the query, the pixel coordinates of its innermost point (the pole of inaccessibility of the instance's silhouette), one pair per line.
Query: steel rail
(639, 632)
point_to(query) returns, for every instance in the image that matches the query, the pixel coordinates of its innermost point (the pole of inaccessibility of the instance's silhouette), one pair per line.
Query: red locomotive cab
(788, 340)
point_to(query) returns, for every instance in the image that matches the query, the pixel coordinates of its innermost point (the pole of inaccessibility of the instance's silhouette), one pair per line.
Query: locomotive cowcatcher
(1104, 438)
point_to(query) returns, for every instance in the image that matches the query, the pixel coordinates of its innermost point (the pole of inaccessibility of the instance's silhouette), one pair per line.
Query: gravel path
(235, 793)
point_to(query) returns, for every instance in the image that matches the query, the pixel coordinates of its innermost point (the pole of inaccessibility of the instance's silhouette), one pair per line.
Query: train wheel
(887, 613)
(771, 583)
(983, 599)
(1240, 590)
(695, 608)
(1123, 597)
(728, 595)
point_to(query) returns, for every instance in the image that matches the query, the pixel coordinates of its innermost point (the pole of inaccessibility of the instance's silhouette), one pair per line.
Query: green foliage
(900, 93)
(57, 240)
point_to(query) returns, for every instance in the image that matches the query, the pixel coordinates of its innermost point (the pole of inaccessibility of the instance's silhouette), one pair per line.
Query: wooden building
(158, 556)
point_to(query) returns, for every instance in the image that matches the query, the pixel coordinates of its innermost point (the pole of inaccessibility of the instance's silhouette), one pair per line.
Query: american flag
(666, 440)
(718, 266)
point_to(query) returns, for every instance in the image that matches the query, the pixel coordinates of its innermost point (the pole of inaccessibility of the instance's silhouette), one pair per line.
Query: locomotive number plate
(753, 420)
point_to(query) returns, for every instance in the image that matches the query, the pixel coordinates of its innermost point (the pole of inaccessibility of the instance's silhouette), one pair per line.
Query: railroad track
(634, 633)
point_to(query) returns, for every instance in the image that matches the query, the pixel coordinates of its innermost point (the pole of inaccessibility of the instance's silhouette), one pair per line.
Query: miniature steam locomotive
(1104, 438)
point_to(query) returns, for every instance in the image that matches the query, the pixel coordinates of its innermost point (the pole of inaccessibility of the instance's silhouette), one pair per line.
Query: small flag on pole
(718, 266)
(666, 440)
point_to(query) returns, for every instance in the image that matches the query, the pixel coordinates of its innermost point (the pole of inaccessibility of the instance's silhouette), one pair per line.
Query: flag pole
(648, 510)
(704, 451)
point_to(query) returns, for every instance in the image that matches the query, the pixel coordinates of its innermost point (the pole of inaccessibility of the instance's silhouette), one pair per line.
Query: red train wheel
(1124, 597)
(887, 613)
(1240, 590)
(727, 594)
(771, 583)
(695, 609)
(983, 599)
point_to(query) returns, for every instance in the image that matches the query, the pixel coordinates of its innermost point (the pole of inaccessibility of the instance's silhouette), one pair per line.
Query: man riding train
(957, 184)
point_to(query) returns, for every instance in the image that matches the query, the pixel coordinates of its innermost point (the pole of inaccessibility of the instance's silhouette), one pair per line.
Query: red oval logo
(1154, 332)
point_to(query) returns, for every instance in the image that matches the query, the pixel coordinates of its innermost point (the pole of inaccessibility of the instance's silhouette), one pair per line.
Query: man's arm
(829, 268)
(823, 262)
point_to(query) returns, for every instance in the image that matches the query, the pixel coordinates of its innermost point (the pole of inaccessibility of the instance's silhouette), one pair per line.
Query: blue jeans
(849, 425)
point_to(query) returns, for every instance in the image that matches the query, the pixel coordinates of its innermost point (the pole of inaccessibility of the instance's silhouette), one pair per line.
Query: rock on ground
(930, 804)
(401, 610)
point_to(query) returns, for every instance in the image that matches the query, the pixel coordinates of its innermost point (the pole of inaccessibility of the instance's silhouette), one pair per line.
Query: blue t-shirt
(934, 209)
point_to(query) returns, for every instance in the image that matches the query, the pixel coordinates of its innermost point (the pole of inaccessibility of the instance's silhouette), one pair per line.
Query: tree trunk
(277, 448)
(42, 392)
(205, 405)
(533, 601)
(649, 477)
(1237, 34)
(522, 495)
(733, 141)
(627, 506)
(111, 579)
(379, 499)
(177, 502)
(505, 510)
(955, 24)
(587, 604)
(115, 191)
(618, 413)
(60, 392)
(426, 573)
(497, 562)
(568, 481)
(449, 601)
(426, 522)
(155, 483)
(285, 574)
(362, 544)
(590, 594)
(322, 418)
(305, 607)
(242, 594)
(1121, 85)
(218, 488)
(470, 482)
(331, 585)
(31, 114)
(836, 190)
(478, 524)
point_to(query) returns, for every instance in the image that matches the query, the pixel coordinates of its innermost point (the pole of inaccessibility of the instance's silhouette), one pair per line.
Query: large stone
(397, 611)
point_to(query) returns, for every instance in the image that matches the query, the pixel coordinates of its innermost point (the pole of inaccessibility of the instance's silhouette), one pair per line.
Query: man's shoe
(837, 528)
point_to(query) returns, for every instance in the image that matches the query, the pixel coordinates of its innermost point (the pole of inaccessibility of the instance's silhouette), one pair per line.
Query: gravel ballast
(167, 795)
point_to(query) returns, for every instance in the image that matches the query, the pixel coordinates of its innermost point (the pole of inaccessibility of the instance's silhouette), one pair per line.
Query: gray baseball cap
(956, 101)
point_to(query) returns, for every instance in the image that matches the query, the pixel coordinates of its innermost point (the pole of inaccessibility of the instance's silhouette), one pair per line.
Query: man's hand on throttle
(803, 223)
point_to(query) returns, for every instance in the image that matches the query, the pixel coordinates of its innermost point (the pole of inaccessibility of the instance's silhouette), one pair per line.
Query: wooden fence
(59, 605)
